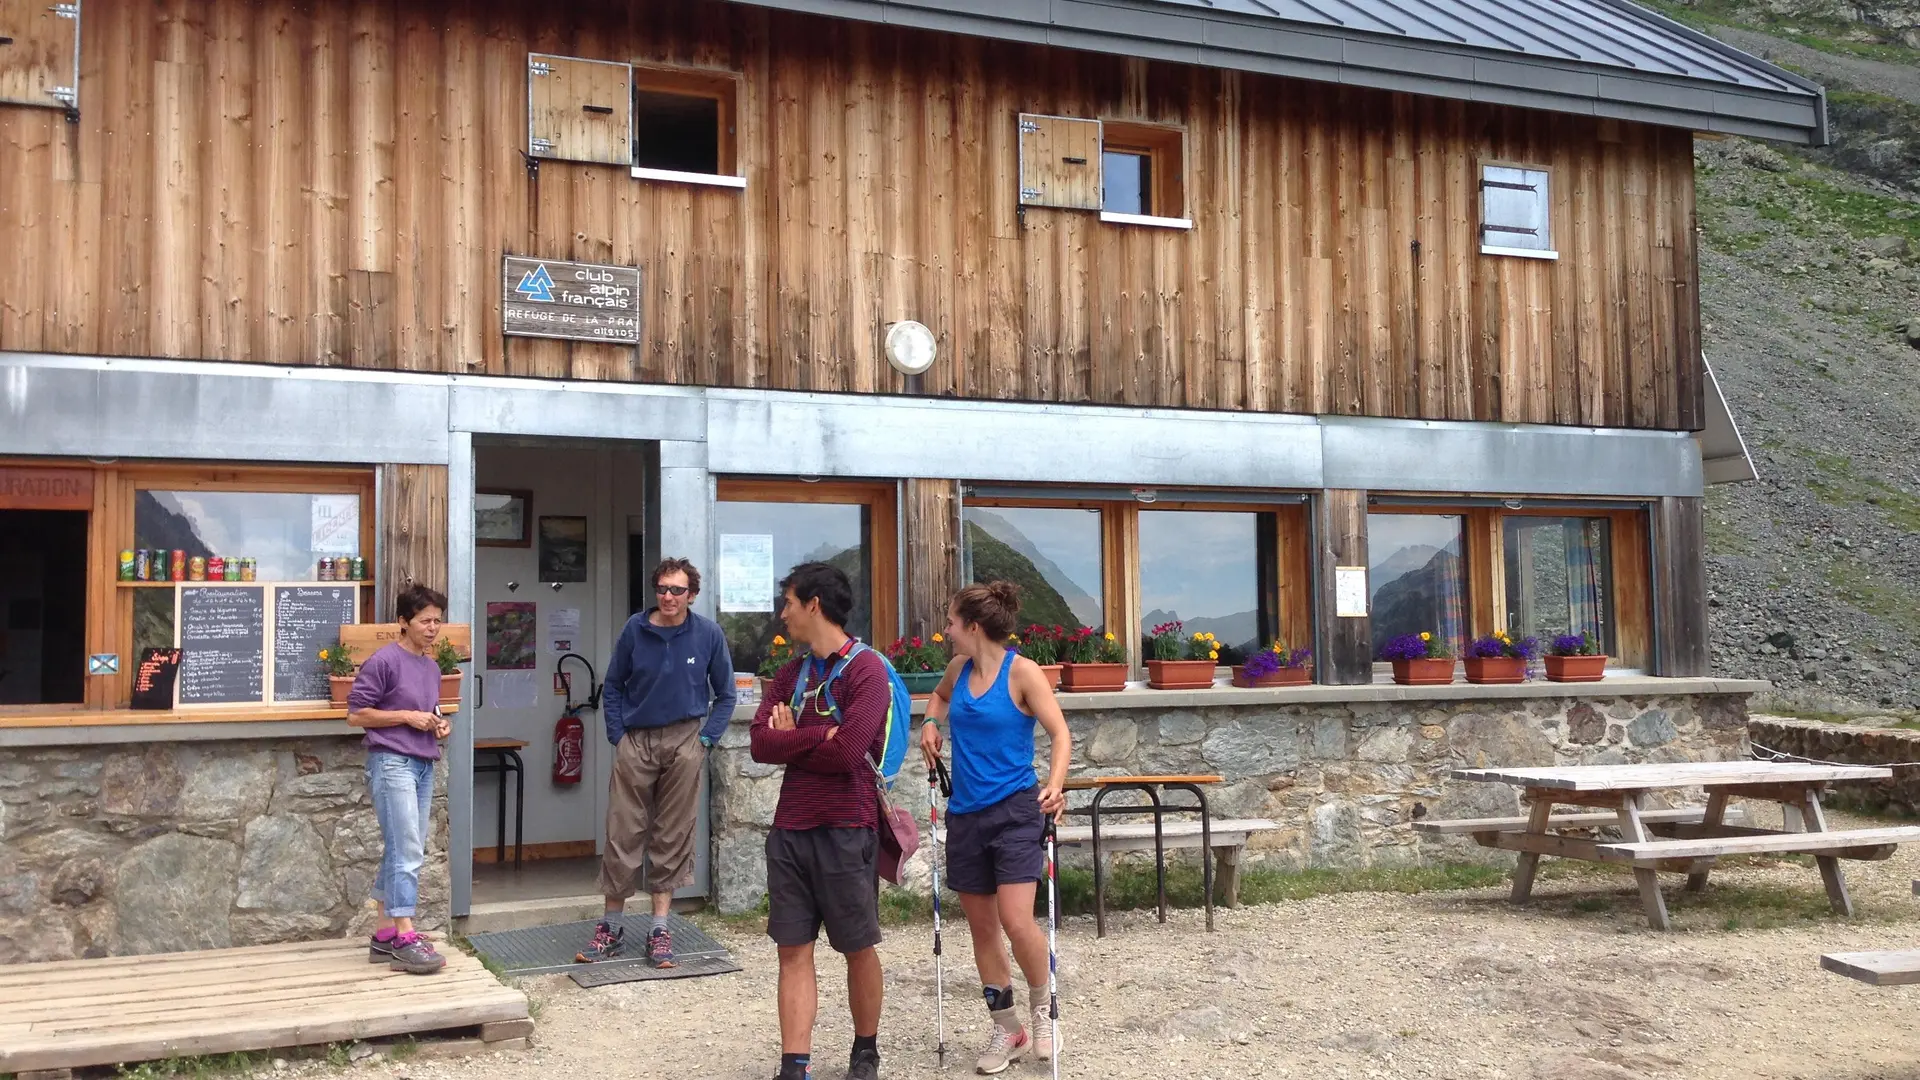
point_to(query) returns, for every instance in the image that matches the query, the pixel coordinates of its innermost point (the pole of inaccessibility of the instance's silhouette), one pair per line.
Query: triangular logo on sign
(537, 285)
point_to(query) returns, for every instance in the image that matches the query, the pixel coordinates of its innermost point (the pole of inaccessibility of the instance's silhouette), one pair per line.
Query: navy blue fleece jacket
(663, 674)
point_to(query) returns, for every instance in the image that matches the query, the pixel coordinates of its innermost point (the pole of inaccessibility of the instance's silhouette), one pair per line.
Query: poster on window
(336, 525)
(746, 572)
(511, 636)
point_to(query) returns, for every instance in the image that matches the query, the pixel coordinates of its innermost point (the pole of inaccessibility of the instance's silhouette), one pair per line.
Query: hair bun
(1007, 593)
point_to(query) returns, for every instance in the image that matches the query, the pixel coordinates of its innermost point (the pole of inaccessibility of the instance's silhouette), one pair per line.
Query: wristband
(706, 742)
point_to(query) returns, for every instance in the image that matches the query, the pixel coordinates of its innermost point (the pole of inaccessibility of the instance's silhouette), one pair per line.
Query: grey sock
(659, 923)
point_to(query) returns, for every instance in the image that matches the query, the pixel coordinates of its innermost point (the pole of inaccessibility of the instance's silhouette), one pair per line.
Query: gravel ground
(1452, 985)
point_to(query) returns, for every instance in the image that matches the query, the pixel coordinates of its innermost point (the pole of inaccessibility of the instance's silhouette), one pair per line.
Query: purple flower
(1404, 647)
(1574, 645)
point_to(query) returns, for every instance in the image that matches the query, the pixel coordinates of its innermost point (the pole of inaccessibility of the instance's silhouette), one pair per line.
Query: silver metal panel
(98, 407)
(1548, 52)
(686, 523)
(460, 604)
(575, 410)
(1503, 459)
(1723, 451)
(820, 435)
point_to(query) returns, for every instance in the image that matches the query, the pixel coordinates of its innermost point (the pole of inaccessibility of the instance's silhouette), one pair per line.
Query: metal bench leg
(1099, 871)
(1159, 851)
(1206, 846)
(1530, 860)
(519, 806)
(1815, 820)
(500, 826)
(1715, 816)
(1645, 876)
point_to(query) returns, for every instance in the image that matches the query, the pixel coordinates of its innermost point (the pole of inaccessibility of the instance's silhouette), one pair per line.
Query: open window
(685, 125)
(1143, 170)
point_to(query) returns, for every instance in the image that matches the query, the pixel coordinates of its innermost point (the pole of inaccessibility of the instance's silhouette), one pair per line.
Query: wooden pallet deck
(74, 1013)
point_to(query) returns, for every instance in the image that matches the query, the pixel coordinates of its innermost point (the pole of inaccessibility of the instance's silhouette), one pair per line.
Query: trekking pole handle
(945, 778)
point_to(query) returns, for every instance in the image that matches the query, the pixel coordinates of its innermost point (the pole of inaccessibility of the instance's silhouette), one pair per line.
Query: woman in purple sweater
(396, 698)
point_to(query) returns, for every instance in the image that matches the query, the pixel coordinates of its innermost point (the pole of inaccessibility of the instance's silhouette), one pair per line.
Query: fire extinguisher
(569, 746)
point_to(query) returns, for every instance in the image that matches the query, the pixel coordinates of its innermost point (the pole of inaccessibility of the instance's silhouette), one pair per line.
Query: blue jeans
(402, 792)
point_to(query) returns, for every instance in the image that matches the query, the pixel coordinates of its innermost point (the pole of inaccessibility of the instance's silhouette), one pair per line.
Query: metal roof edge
(1030, 28)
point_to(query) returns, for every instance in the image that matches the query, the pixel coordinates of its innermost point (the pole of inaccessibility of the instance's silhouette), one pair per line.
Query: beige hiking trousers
(653, 801)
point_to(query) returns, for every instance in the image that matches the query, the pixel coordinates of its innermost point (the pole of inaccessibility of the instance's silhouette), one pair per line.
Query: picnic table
(1687, 840)
(1152, 787)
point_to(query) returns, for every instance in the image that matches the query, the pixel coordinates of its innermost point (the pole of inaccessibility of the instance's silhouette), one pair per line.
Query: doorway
(43, 607)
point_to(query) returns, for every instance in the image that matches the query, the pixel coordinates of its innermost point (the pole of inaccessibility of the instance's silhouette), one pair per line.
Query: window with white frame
(1515, 212)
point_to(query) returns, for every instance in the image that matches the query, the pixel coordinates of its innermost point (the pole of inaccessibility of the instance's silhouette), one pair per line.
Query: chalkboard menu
(223, 646)
(306, 619)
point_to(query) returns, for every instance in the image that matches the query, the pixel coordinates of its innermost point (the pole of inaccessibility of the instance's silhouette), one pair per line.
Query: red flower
(916, 643)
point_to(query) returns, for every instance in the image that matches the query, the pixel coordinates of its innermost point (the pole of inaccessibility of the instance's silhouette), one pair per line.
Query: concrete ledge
(109, 734)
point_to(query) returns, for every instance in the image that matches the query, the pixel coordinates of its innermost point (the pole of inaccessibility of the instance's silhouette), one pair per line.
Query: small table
(1660, 840)
(506, 759)
(1102, 786)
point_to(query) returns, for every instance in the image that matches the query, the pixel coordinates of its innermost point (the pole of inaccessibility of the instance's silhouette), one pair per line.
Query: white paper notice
(336, 525)
(512, 689)
(746, 572)
(563, 630)
(1350, 592)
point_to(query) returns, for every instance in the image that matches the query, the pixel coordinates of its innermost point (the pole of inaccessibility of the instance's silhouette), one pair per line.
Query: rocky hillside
(1811, 300)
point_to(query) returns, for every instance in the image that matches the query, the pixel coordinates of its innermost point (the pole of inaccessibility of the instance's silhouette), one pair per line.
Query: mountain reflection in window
(1211, 571)
(1416, 576)
(835, 533)
(1052, 553)
(1559, 573)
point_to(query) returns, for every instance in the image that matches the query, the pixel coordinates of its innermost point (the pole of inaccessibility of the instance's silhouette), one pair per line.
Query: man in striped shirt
(821, 851)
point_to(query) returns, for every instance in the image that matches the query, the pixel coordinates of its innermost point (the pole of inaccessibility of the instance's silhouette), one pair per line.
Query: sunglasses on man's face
(671, 590)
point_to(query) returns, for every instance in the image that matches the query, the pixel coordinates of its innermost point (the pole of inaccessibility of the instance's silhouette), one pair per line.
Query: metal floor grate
(626, 971)
(544, 950)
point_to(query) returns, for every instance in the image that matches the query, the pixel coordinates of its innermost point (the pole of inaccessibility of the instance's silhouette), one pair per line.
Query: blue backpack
(895, 733)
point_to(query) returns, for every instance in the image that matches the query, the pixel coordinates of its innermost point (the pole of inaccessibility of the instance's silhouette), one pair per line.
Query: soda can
(359, 568)
(230, 571)
(126, 566)
(177, 566)
(342, 568)
(216, 568)
(326, 570)
(197, 568)
(142, 564)
(249, 568)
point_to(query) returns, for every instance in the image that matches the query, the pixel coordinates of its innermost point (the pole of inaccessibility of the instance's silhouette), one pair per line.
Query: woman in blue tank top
(991, 697)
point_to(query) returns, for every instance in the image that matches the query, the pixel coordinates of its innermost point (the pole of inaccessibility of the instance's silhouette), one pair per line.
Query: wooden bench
(1229, 837)
(1867, 844)
(1684, 815)
(1876, 968)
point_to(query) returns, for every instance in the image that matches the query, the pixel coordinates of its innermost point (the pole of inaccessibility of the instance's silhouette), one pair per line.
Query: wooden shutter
(39, 43)
(579, 110)
(1059, 162)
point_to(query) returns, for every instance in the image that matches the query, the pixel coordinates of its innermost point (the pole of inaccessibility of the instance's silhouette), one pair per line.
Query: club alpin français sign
(576, 301)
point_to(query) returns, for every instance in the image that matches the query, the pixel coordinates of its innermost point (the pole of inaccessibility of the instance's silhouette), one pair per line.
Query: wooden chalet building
(1317, 323)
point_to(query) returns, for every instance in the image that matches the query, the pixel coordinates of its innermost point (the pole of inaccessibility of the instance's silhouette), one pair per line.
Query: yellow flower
(778, 640)
(1109, 635)
(1214, 655)
(323, 655)
(937, 638)
(1424, 636)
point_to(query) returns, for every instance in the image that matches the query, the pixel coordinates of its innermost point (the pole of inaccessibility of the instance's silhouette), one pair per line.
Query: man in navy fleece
(669, 696)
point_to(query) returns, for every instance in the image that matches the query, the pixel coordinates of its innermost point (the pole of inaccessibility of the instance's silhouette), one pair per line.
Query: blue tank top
(992, 742)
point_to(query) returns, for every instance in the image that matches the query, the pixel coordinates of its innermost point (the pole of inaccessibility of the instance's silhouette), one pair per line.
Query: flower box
(921, 683)
(1293, 676)
(338, 687)
(1423, 672)
(1052, 672)
(1497, 670)
(1092, 678)
(1576, 668)
(1180, 674)
(450, 690)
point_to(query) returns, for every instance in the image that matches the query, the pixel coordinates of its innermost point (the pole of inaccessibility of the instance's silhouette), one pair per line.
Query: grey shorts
(1000, 845)
(823, 877)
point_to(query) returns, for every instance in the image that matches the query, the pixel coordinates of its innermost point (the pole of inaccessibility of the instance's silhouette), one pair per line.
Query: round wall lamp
(910, 347)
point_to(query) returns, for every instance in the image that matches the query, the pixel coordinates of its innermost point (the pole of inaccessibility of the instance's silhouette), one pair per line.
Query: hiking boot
(660, 948)
(864, 1066)
(607, 942)
(379, 951)
(1008, 1045)
(413, 955)
(1042, 1029)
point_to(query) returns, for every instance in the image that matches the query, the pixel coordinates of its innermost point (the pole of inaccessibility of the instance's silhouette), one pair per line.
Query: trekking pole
(1053, 954)
(936, 781)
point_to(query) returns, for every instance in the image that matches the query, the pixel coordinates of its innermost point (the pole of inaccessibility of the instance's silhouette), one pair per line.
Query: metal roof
(1592, 57)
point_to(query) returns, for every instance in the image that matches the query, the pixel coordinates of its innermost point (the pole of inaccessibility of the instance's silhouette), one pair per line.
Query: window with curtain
(1212, 571)
(1559, 577)
(1054, 554)
(768, 539)
(1417, 576)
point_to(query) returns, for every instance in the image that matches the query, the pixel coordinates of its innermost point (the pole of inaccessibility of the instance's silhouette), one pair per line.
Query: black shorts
(1000, 845)
(823, 877)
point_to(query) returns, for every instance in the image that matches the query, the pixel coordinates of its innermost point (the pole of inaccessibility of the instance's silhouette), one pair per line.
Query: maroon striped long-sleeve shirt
(828, 781)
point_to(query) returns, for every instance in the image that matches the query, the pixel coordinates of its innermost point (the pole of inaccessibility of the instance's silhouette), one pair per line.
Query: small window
(1515, 218)
(1417, 576)
(1142, 168)
(1559, 573)
(1210, 571)
(683, 121)
(1054, 554)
